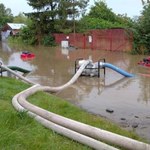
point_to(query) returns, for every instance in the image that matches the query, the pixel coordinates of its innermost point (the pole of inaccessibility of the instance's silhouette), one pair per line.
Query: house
(11, 29)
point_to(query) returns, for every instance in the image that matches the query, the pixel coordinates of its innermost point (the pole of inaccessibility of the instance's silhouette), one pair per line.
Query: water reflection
(128, 97)
(17, 61)
(144, 85)
(5, 47)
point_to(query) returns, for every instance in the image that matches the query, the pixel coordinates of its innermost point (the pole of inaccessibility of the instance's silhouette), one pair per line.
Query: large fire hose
(80, 132)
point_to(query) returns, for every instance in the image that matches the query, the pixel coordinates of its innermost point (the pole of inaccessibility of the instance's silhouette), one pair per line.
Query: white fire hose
(80, 132)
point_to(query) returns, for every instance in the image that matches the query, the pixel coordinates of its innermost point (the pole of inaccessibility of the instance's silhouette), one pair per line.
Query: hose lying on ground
(78, 131)
(60, 129)
(16, 74)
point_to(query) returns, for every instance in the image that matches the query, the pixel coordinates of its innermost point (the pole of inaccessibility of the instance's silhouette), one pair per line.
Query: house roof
(16, 25)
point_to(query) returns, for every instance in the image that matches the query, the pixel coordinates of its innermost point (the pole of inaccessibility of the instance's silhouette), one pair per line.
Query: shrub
(48, 40)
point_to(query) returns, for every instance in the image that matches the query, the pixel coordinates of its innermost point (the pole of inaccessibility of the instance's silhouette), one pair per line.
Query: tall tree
(100, 16)
(5, 15)
(49, 13)
(100, 10)
(142, 36)
(144, 2)
(69, 10)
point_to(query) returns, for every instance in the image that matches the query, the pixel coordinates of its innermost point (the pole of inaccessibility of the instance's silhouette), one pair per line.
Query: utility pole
(74, 25)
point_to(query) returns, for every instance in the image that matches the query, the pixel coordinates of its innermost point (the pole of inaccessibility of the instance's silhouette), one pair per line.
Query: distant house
(11, 29)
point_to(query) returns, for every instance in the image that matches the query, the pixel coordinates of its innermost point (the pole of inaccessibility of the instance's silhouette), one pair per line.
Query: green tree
(5, 15)
(21, 18)
(53, 14)
(101, 11)
(142, 34)
(69, 11)
(100, 16)
(145, 2)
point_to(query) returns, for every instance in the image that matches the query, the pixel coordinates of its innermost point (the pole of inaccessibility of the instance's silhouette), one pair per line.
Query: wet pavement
(125, 101)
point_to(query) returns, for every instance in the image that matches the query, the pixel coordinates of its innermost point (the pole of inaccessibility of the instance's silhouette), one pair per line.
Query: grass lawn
(20, 132)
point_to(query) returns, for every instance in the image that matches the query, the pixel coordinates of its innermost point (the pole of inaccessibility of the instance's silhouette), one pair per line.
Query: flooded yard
(123, 100)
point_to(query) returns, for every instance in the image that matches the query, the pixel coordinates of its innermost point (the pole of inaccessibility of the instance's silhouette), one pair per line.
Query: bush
(28, 36)
(48, 40)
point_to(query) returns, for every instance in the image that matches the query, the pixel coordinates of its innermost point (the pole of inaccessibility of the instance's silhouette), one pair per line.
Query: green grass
(20, 132)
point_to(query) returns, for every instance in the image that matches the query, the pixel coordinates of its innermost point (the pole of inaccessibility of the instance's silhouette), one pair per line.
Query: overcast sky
(130, 7)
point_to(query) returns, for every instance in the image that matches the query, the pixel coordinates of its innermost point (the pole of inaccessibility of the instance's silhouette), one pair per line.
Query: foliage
(142, 34)
(100, 16)
(98, 23)
(48, 40)
(55, 16)
(21, 18)
(5, 15)
(125, 21)
(71, 9)
(27, 36)
(100, 10)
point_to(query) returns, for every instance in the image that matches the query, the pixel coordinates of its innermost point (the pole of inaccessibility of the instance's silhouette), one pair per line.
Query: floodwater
(128, 99)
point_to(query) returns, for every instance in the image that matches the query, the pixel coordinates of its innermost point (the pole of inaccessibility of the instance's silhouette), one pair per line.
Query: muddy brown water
(127, 98)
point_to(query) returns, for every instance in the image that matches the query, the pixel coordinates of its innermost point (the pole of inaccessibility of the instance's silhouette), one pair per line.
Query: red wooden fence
(105, 39)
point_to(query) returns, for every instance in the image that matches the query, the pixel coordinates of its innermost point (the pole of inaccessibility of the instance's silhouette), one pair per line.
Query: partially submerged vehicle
(145, 62)
(26, 55)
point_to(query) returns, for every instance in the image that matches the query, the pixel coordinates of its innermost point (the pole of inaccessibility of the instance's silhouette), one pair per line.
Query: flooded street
(128, 99)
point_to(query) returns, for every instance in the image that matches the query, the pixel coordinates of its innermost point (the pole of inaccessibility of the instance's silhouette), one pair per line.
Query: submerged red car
(27, 55)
